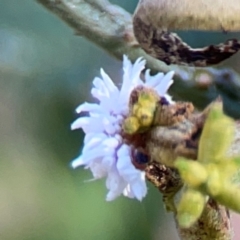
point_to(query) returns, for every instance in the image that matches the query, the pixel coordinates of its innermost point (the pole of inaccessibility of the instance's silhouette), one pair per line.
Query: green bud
(130, 125)
(215, 180)
(145, 117)
(217, 135)
(192, 172)
(229, 197)
(190, 208)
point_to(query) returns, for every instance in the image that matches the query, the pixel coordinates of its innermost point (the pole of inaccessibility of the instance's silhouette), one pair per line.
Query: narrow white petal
(98, 83)
(108, 82)
(139, 189)
(137, 68)
(88, 124)
(108, 126)
(109, 104)
(153, 81)
(118, 137)
(89, 107)
(91, 135)
(111, 142)
(117, 128)
(123, 151)
(98, 153)
(79, 122)
(124, 164)
(127, 170)
(98, 169)
(113, 194)
(115, 184)
(126, 84)
(127, 192)
(165, 83)
(99, 95)
(77, 162)
(108, 162)
(169, 99)
(131, 75)
(94, 142)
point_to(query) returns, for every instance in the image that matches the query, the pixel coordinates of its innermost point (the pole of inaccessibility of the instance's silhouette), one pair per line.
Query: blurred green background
(45, 73)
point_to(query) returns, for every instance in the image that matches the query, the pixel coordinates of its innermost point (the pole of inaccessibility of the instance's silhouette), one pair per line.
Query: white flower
(105, 151)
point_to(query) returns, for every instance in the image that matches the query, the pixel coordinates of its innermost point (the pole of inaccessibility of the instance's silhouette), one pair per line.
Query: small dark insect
(140, 159)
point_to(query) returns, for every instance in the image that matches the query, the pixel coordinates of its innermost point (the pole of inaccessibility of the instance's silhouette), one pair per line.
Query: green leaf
(190, 208)
(229, 197)
(192, 172)
(217, 135)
